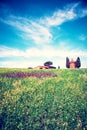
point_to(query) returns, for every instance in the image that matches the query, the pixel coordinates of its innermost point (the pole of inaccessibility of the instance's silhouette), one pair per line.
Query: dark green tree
(48, 63)
(67, 62)
(78, 63)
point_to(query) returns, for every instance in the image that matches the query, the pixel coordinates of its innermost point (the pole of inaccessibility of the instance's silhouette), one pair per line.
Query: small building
(72, 64)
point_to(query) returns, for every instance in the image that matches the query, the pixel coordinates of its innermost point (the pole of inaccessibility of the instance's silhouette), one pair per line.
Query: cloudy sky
(35, 31)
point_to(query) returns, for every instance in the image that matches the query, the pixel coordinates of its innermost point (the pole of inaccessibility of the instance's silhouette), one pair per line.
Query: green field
(56, 102)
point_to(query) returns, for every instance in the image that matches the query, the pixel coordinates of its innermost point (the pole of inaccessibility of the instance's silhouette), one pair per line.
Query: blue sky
(35, 31)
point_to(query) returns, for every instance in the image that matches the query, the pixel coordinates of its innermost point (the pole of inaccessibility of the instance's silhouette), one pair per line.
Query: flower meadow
(43, 99)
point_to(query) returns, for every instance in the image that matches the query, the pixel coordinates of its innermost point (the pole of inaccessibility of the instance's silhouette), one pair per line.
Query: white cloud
(35, 62)
(10, 52)
(70, 12)
(17, 64)
(46, 51)
(82, 37)
(60, 17)
(39, 30)
(30, 29)
(37, 56)
(83, 13)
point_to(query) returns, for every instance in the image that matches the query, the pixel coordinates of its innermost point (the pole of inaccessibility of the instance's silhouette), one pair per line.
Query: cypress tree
(78, 62)
(67, 62)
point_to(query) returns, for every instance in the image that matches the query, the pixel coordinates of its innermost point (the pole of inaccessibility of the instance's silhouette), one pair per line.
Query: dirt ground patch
(29, 74)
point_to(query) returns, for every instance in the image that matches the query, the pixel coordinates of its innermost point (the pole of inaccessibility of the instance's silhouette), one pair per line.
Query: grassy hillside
(43, 99)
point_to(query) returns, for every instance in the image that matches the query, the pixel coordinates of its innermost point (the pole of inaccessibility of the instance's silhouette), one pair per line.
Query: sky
(35, 31)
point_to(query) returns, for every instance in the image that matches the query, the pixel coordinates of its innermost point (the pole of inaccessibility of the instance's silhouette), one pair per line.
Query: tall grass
(48, 103)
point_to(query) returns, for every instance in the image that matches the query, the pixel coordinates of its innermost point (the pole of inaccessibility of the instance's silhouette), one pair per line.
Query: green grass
(53, 103)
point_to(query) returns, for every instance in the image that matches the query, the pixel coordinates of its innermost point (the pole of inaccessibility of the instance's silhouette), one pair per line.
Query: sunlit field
(52, 99)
